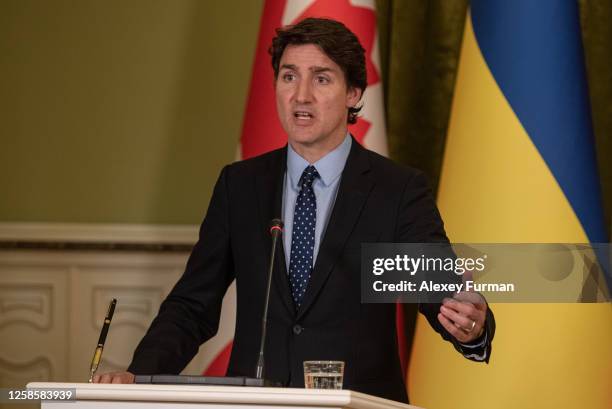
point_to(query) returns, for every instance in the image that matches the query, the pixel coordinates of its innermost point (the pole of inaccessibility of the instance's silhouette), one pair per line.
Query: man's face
(312, 98)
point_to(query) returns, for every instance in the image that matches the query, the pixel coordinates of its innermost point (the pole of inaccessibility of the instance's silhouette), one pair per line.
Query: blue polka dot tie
(303, 236)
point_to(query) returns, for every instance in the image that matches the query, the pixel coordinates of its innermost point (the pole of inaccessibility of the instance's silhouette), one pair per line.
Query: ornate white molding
(98, 233)
(27, 304)
(17, 373)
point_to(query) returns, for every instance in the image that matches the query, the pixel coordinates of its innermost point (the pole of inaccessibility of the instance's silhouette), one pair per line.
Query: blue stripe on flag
(534, 51)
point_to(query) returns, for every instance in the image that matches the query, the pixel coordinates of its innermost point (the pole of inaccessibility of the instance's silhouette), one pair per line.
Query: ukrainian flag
(520, 167)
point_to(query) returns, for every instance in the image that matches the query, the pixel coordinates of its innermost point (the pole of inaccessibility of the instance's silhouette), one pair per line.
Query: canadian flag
(262, 131)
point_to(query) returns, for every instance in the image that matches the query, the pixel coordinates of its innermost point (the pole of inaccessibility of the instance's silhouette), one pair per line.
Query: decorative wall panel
(54, 296)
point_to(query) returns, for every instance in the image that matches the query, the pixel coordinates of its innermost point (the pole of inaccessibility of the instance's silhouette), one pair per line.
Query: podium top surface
(226, 394)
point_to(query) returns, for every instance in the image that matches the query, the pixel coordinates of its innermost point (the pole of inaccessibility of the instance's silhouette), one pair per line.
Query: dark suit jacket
(377, 201)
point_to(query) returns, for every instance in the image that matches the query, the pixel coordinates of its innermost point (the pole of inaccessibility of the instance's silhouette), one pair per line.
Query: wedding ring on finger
(468, 330)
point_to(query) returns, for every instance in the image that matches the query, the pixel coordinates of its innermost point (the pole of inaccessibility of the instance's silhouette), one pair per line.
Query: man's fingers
(481, 306)
(118, 378)
(106, 378)
(452, 328)
(458, 319)
(471, 297)
(114, 377)
(465, 308)
(466, 321)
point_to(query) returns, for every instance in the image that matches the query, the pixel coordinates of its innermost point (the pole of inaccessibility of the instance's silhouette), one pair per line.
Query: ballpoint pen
(98, 353)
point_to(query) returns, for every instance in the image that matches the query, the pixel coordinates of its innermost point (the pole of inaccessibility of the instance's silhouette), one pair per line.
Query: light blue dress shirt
(325, 187)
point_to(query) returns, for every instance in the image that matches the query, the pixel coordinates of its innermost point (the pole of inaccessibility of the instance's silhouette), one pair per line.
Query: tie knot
(308, 176)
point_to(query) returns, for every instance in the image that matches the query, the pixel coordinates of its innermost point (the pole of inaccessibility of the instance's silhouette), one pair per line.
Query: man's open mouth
(303, 115)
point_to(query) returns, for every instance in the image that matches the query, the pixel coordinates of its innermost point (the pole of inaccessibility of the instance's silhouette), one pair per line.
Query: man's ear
(353, 95)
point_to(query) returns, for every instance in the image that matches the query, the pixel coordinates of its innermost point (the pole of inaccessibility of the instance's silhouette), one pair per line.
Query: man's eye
(288, 77)
(323, 80)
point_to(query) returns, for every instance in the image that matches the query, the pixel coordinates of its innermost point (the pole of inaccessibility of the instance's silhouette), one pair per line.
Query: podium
(112, 396)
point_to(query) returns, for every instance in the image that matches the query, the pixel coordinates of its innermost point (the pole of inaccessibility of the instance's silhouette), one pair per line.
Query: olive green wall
(124, 111)
(120, 111)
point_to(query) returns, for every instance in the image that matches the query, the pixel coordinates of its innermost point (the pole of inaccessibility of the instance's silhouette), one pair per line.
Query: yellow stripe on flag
(495, 187)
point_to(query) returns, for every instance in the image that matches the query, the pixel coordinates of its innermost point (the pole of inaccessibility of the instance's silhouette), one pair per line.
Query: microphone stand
(276, 229)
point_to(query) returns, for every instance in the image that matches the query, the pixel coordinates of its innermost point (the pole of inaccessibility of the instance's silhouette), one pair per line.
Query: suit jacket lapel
(269, 186)
(353, 191)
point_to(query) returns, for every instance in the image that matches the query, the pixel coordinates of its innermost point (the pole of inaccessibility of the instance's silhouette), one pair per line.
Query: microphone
(276, 229)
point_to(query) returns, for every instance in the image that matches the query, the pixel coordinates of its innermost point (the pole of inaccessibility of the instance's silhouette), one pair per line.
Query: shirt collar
(329, 166)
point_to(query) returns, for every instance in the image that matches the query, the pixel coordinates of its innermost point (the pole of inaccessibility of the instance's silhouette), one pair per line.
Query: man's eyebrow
(318, 70)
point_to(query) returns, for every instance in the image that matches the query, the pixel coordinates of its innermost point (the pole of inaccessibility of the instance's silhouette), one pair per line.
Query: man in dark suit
(333, 195)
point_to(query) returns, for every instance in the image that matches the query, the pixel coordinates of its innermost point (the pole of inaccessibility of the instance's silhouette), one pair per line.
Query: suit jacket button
(297, 329)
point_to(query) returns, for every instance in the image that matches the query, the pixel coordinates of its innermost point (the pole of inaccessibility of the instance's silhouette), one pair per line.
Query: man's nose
(303, 92)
